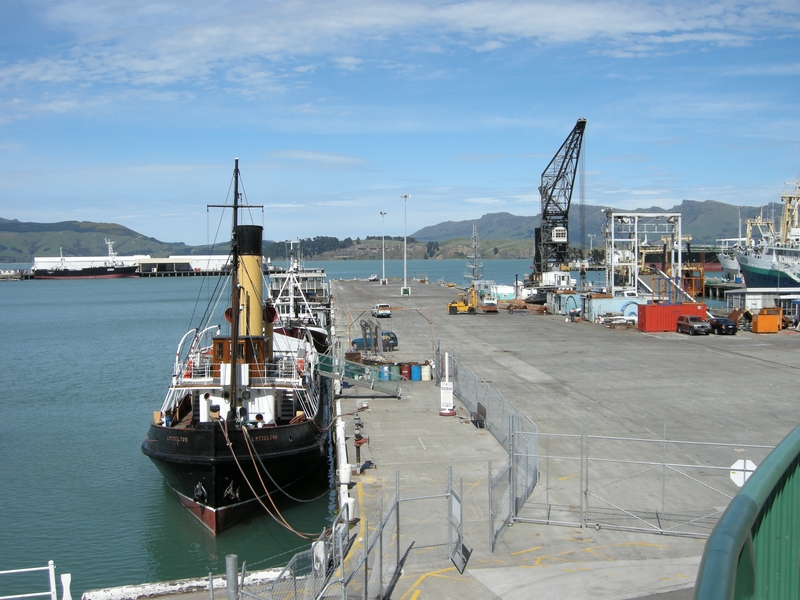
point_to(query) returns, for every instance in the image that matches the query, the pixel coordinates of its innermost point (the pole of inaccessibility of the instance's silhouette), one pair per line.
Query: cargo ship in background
(774, 264)
(110, 266)
(659, 256)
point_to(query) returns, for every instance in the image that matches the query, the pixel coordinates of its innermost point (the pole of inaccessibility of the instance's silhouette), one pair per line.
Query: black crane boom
(558, 179)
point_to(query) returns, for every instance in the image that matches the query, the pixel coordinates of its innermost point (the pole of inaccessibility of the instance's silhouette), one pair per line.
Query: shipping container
(663, 317)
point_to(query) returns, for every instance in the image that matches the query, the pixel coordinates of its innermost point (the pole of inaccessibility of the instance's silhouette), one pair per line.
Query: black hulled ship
(244, 414)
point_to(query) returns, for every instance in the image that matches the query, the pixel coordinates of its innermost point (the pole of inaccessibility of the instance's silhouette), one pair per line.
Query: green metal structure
(754, 551)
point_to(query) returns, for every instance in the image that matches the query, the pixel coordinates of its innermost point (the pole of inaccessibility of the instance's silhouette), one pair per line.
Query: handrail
(51, 569)
(743, 557)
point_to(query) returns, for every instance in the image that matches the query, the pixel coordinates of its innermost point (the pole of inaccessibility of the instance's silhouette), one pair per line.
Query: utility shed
(598, 305)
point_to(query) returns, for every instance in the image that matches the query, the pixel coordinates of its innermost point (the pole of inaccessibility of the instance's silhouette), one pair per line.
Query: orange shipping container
(664, 317)
(766, 324)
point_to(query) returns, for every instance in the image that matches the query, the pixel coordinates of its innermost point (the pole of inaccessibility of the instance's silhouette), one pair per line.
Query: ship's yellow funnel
(251, 320)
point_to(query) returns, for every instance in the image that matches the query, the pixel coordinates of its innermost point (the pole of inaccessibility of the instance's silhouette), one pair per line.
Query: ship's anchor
(199, 493)
(229, 493)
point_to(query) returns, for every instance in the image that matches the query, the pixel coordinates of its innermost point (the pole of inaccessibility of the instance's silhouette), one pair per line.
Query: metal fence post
(547, 466)
(397, 510)
(512, 496)
(664, 472)
(460, 516)
(366, 559)
(211, 585)
(584, 494)
(340, 550)
(491, 512)
(231, 575)
(449, 501)
(51, 567)
(380, 547)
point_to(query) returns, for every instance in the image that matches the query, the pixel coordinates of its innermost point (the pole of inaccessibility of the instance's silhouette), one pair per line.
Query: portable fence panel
(661, 486)
(297, 580)
(423, 523)
(557, 497)
(356, 570)
(498, 411)
(477, 396)
(388, 551)
(525, 460)
(499, 502)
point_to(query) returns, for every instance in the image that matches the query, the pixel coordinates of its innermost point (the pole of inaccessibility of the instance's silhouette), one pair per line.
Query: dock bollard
(231, 575)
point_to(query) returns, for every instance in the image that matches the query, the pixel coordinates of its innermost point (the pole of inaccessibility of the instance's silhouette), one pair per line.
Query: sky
(132, 112)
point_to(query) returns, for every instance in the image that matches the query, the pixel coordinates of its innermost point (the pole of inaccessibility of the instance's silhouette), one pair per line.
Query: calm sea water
(501, 271)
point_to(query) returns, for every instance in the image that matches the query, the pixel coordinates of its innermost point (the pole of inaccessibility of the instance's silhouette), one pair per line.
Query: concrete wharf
(709, 388)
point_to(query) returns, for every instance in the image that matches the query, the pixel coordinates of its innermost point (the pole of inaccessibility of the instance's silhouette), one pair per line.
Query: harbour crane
(558, 179)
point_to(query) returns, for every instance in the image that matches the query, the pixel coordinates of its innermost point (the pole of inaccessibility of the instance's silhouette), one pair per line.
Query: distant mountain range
(704, 221)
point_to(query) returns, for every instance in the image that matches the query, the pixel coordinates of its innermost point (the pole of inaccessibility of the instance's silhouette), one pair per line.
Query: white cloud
(322, 159)
(489, 46)
(181, 42)
(348, 63)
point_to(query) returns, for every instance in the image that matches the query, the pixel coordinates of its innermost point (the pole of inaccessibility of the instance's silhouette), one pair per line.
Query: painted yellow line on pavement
(414, 591)
(528, 550)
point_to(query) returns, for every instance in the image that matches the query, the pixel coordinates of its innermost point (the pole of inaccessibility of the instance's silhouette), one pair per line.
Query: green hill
(501, 235)
(20, 241)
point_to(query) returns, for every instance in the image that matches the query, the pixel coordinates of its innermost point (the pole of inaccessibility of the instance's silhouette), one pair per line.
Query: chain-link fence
(652, 485)
(517, 434)
(408, 531)
(662, 486)
(500, 508)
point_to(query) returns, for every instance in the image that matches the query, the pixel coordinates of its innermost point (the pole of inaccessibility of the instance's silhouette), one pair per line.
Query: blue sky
(132, 112)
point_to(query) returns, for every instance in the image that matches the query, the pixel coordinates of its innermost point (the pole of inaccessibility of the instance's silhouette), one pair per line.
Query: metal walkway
(357, 374)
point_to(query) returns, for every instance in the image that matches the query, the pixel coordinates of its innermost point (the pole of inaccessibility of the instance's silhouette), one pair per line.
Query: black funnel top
(249, 237)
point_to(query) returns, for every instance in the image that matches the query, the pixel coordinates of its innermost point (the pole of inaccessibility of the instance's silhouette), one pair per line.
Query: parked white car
(381, 310)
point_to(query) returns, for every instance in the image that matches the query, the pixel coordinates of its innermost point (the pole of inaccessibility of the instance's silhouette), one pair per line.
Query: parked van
(389, 342)
(692, 324)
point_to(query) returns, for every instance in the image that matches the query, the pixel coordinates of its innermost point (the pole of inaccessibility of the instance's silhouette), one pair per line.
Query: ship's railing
(754, 549)
(18, 574)
(286, 368)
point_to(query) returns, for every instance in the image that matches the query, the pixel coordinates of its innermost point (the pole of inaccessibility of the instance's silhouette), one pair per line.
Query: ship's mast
(234, 406)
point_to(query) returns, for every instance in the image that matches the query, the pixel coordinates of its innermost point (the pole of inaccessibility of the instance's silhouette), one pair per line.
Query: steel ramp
(367, 376)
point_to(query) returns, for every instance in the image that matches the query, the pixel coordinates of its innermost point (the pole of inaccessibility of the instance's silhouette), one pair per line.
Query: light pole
(383, 248)
(591, 237)
(739, 241)
(405, 291)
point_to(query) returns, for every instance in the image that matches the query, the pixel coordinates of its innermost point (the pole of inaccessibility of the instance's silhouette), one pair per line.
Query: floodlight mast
(558, 180)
